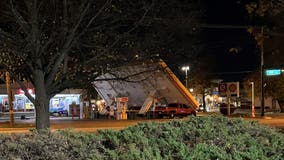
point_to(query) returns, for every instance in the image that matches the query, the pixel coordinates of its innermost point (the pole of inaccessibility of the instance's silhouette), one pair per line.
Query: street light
(185, 68)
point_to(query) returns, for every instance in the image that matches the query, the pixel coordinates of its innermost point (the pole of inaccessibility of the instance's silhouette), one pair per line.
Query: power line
(239, 72)
(220, 26)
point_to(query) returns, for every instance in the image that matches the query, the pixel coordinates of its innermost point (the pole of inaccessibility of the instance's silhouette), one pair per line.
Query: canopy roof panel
(139, 81)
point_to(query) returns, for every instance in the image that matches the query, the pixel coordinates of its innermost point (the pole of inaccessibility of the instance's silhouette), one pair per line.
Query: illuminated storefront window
(22, 104)
(61, 102)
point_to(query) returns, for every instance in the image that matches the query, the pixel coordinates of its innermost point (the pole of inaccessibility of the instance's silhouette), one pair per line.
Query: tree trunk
(41, 102)
(42, 114)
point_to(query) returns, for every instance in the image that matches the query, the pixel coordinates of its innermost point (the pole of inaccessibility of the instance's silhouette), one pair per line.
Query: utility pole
(261, 73)
(10, 99)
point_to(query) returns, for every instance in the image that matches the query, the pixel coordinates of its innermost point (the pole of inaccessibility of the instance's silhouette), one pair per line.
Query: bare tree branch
(68, 44)
(21, 21)
(91, 21)
(129, 31)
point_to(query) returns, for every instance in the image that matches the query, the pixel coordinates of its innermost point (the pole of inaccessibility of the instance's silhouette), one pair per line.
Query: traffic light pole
(261, 74)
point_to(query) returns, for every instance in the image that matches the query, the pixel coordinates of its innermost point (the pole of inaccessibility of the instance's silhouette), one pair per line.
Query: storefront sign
(229, 89)
(21, 92)
(121, 99)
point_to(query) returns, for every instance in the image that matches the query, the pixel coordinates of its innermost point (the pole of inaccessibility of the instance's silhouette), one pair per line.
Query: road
(22, 126)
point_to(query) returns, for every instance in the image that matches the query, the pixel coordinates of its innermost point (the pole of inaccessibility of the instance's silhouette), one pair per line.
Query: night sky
(244, 57)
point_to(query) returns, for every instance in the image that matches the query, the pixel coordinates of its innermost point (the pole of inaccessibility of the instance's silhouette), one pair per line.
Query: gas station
(147, 85)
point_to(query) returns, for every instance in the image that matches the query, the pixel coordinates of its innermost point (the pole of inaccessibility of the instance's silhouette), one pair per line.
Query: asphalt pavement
(92, 125)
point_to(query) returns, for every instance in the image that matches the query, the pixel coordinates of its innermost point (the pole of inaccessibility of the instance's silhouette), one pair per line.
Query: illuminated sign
(272, 72)
(229, 89)
(223, 88)
(121, 99)
(21, 92)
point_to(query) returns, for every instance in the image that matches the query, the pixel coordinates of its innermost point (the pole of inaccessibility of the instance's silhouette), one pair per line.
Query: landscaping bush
(197, 138)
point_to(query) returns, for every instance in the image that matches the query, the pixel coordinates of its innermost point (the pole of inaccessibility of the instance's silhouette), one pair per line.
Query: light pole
(252, 99)
(186, 69)
(261, 74)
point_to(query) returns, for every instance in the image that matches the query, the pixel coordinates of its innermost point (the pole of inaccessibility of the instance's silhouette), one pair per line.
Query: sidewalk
(258, 115)
(4, 116)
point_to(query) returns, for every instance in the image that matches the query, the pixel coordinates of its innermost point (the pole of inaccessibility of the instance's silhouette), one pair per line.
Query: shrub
(197, 138)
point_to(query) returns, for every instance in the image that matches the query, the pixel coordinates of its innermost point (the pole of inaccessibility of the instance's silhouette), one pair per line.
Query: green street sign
(273, 72)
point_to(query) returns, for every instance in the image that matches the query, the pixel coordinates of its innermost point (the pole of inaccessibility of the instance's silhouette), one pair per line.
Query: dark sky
(245, 57)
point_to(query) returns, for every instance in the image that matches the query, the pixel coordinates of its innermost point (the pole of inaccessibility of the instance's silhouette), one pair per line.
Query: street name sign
(273, 72)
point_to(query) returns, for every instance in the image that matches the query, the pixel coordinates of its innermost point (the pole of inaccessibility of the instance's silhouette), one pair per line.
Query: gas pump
(86, 109)
(121, 107)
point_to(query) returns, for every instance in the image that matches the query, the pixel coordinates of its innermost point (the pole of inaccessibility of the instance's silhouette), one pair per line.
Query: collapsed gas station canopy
(141, 83)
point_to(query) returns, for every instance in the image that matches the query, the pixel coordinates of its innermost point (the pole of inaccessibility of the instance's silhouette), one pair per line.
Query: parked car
(60, 111)
(174, 109)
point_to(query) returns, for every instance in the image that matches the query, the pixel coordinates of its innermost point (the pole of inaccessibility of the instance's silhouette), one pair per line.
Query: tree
(201, 76)
(269, 14)
(56, 45)
(265, 8)
(203, 86)
(172, 33)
